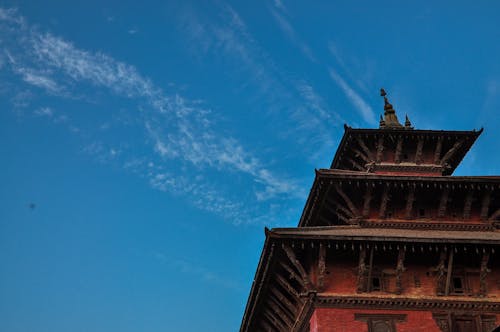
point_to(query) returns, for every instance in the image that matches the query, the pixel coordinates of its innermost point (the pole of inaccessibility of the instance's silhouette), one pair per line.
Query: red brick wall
(342, 320)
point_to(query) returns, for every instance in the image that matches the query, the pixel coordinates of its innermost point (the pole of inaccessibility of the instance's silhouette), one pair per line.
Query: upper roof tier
(397, 149)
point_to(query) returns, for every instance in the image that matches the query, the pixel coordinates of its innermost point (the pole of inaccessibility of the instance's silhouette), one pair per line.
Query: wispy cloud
(197, 271)
(356, 100)
(279, 13)
(291, 100)
(180, 130)
(45, 111)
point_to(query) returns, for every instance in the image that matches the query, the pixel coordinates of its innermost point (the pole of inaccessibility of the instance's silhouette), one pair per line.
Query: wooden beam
(483, 273)
(276, 321)
(267, 325)
(365, 148)
(286, 286)
(449, 271)
(284, 300)
(338, 206)
(361, 282)
(468, 204)
(441, 271)
(296, 263)
(347, 200)
(301, 323)
(367, 201)
(399, 271)
(443, 202)
(399, 149)
(437, 152)
(451, 152)
(355, 164)
(360, 154)
(485, 205)
(410, 199)
(283, 315)
(380, 149)
(321, 267)
(291, 273)
(418, 153)
(383, 202)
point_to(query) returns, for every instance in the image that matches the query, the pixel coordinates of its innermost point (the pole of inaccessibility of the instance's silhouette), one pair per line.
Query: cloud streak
(359, 104)
(181, 132)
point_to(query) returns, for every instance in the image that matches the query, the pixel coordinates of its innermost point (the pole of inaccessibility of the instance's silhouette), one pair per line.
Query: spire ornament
(390, 117)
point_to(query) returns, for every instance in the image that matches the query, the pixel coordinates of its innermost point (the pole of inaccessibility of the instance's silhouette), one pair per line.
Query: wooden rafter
(347, 200)
(292, 274)
(284, 300)
(286, 286)
(275, 320)
(449, 271)
(441, 274)
(277, 309)
(365, 148)
(298, 266)
(356, 164)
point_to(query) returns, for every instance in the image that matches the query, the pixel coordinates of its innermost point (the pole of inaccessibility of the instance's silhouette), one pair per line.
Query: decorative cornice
(405, 303)
(452, 226)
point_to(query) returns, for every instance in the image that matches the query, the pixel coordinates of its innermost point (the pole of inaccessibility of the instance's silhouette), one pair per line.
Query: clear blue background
(145, 146)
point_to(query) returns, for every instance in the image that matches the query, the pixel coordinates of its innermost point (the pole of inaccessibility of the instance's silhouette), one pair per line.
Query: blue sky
(145, 146)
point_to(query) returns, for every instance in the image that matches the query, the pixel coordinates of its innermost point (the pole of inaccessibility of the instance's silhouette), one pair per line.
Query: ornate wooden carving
(380, 149)
(321, 267)
(347, 200)
(340, 207)
(451, 152)
(443, 202)
(361, 284)
(365, 148)
(409, 202)
(437, 152)
(418, 154)
(441, 274)
(485, 205)
(483, 273)
(383, 202)
(399, 149)
(367, 201)
(296, 263)
(468, 204)
(399, 271)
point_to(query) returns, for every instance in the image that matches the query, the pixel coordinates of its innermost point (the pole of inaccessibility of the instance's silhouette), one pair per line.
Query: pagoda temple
(389, 240)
